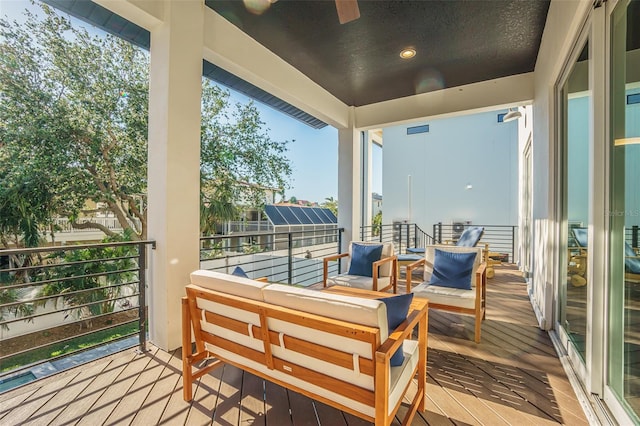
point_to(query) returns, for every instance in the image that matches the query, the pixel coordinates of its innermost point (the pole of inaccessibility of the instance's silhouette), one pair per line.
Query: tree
(331, 204)
(73, 114)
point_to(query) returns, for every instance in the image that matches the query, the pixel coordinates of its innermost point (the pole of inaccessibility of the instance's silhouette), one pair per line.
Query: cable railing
(501, 239)
(293, 257)
(58, 301)
(403, 235)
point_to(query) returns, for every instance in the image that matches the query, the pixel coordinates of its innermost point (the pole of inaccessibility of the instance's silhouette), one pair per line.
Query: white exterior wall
(471, 150)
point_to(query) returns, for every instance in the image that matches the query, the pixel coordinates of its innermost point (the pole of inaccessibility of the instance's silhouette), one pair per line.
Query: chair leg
(478, 325)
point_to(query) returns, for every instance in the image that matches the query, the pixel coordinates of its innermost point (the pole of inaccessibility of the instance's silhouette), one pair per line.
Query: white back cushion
(229, 284)
(369, 312)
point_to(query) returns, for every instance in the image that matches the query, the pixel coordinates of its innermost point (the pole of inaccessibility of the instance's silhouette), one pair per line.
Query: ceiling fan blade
(347, 10)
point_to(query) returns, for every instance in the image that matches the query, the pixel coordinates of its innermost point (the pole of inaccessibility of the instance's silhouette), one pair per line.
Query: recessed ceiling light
(408, 53)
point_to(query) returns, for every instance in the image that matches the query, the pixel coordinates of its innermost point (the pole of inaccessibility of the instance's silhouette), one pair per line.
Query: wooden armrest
(382, 261)
(409, 268)
(334, 257)
(402, 332)
(325, 265)
(376, 271)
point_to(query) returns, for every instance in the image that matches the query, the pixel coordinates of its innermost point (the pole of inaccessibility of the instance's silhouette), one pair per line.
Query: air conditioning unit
(457, 228)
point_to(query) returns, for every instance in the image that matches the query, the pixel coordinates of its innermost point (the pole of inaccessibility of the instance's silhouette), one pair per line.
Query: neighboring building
(452, 170)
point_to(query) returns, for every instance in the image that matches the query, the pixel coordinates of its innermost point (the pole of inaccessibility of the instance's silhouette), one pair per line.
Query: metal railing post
(408, 235)
(340, 248)
(290, 275)
(634, 236)
(142, 297)
(513, 242)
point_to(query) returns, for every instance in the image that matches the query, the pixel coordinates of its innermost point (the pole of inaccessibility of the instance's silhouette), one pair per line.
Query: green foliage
(73, 128)
(239, 162)
(74, 114)
(68, 347)
(331, 204)
(376, 224)
(90, 279)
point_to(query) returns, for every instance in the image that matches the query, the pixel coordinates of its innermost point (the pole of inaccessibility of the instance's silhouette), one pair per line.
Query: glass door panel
(576, 119)
(624, 215)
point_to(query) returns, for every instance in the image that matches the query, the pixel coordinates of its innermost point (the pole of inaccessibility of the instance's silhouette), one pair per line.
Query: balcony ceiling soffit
(457, 42)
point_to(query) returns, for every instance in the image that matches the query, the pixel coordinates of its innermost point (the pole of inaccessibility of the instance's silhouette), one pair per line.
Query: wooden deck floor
(513, 377)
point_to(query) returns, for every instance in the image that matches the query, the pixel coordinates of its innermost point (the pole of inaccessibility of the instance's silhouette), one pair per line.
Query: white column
(367, 170)
(349, 183)
(175, 88)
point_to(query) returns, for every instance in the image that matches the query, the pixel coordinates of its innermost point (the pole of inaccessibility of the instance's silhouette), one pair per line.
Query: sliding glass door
(576, 128)
(624, 214)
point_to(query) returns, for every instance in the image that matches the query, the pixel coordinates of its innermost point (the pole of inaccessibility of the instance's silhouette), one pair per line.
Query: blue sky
(313, 153)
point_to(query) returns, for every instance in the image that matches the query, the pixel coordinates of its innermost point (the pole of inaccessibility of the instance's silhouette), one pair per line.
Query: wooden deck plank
(154, 406)
(55, 405)
(207, 397)
(85, 400)
(252, 406)
(10, 400)
(276, 405)
(302, 410)
(128, 407)
(227, 410)
(109, 399)
(37, 399)
(177, 409)
(329, 415)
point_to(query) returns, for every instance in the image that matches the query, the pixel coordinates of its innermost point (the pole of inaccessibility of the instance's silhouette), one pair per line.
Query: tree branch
(93, 225)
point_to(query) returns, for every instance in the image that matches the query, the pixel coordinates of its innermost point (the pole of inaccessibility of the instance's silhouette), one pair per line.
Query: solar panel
(332, 217)
(288, 215)
(315, 219)
(301, 215)
(296, 215)
(274, 216)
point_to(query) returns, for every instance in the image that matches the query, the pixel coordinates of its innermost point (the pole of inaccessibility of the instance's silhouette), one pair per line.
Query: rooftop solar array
(295, 215)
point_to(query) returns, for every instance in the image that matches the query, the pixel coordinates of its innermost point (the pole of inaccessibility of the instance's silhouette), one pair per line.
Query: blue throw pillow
(362, 258)
(452, 269)
(239, 272)
(631, 260)
(397, 310)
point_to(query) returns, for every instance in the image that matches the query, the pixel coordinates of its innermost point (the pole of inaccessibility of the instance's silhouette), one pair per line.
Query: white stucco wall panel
(457, 152)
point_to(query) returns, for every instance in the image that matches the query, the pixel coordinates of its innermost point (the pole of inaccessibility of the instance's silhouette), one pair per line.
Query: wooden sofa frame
(378, 366)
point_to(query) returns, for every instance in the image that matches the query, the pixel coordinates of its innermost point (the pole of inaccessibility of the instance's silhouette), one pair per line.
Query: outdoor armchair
(370, 266)
(454, 280)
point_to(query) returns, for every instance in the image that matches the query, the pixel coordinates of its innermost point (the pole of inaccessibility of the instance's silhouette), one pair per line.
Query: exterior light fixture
(513, 114)
(408, 53)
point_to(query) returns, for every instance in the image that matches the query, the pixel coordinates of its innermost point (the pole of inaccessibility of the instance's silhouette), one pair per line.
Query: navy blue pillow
(239, 272)
(362, 258)
(397, 310)
(452, 270)
(631, 260)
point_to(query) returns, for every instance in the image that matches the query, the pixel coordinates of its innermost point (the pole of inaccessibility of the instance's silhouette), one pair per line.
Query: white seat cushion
(358, 281)
(446, 295)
